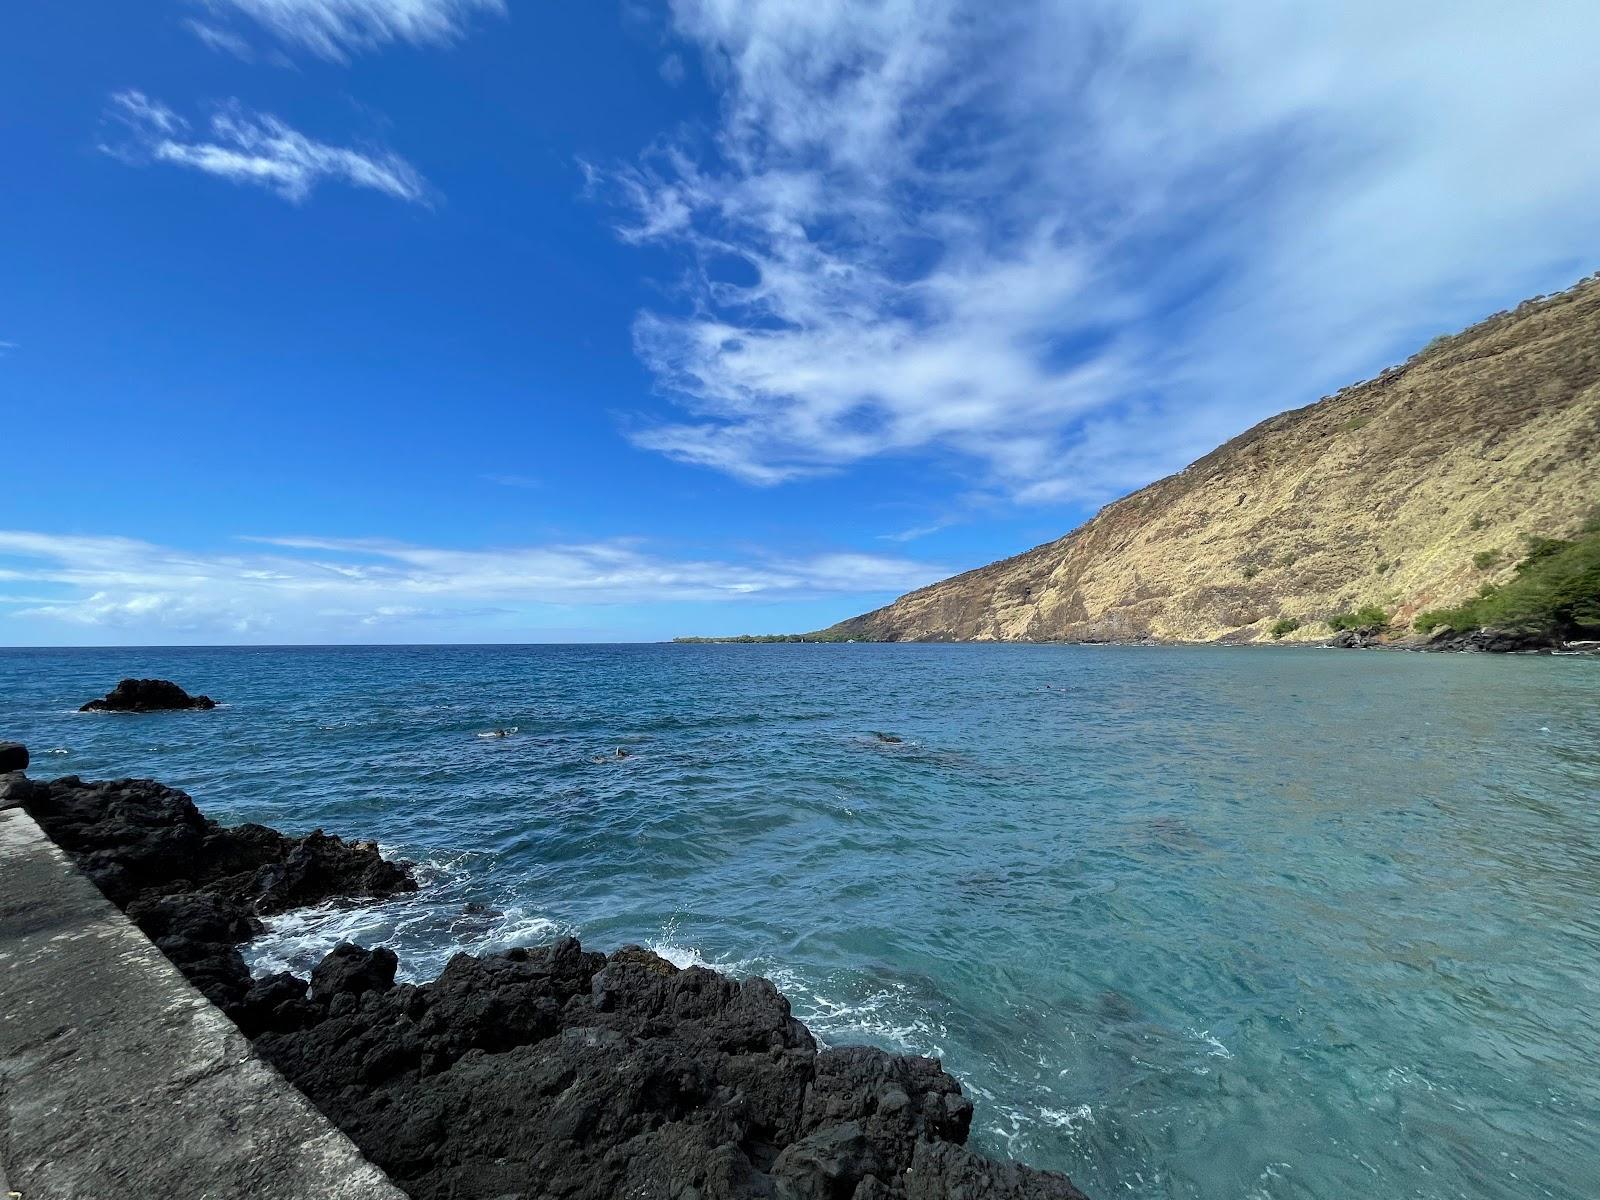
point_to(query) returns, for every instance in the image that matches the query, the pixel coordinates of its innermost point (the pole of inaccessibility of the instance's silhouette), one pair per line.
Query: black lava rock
(350, 970)
(1494, 641)
(198, 889)
(1355, 639)
(560, 1072)
(13, 757)
(147, 695)
(553, 1071)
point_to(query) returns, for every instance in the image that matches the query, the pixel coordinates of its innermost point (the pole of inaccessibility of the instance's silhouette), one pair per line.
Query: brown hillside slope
(1382, 493)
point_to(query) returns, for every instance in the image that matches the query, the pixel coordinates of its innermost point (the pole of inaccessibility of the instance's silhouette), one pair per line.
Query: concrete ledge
(119, 1079)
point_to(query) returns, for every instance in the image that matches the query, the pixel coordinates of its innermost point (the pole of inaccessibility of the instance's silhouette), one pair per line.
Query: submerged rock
(147, 695)
(553, 1071)
(942, 1171)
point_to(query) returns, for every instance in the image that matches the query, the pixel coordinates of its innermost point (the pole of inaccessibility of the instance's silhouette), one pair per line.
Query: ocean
(1186, 922)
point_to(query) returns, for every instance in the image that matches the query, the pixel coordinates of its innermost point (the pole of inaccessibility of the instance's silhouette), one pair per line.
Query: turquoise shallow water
(1197, 923)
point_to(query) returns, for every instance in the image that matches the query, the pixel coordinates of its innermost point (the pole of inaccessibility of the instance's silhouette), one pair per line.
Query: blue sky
(470, 320)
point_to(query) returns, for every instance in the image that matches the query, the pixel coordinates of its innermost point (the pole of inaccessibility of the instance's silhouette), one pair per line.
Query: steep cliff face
(1409, 491)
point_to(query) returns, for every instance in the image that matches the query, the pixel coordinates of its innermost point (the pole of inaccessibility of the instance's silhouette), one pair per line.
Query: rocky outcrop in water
(13, 757)
(147, 695)
(549, 1072)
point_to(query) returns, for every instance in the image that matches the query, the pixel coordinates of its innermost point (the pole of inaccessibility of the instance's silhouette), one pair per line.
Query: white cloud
(1075, 244)
(336, 28)
(336, 586)
(255, 148)
(142, 114)
(223, 41)
(916, 531)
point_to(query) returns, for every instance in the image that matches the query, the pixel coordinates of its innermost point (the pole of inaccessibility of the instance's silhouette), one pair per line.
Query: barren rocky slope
(1409, 491)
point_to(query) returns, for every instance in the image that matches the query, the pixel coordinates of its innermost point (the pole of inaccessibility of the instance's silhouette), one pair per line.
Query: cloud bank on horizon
(350, 589)
(1077, 244)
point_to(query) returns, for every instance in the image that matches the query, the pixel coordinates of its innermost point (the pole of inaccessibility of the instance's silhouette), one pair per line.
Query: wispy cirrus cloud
(339, 586)
(253, 148)
(1072, 245)
(916, 531)
(223, 41)
(335, 29)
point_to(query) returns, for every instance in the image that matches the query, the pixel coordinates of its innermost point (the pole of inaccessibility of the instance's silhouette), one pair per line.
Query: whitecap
(1218, 1050)
(1067, 1118)
(684, 957)
(425, 928)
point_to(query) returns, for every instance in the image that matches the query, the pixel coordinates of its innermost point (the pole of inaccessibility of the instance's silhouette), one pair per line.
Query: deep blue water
(1187, 922)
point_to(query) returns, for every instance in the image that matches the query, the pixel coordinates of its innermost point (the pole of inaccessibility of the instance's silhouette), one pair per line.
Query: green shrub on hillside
(1368, 616)
(1542, 547)
(1282, 626)
(1556, 590)
(1383, 567)
(1252, 571)
(1484, 559)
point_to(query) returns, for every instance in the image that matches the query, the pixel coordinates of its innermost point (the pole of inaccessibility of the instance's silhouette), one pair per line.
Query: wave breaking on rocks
(551, 1071)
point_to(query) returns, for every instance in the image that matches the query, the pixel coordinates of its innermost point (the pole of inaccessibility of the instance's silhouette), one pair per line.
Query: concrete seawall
(118, 1079)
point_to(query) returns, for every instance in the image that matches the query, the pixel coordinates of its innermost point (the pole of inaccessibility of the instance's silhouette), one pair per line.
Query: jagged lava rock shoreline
(550, 1071)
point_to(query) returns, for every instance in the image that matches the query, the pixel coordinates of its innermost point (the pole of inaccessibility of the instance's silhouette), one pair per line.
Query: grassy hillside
(1409, 493)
